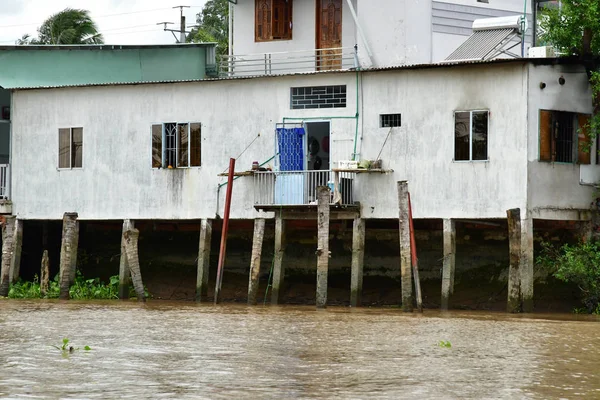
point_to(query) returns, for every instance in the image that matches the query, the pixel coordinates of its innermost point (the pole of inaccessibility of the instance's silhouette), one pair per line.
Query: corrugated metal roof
(444, 64)
(481, 43)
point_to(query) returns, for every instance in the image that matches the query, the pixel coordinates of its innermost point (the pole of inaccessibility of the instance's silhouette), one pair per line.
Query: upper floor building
(281, 36)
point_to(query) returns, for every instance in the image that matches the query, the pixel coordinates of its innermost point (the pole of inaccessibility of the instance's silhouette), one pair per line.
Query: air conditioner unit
(541, 52)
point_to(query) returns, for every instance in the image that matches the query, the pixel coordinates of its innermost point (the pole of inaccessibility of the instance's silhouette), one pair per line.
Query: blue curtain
(291, 149)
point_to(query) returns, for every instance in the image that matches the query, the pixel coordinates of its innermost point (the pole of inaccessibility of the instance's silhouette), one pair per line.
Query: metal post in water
(224, 230)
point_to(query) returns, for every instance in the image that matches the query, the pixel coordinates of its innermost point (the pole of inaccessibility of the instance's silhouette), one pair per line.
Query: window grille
(390, 120)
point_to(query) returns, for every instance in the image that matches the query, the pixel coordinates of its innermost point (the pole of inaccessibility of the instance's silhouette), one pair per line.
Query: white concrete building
(283, 35)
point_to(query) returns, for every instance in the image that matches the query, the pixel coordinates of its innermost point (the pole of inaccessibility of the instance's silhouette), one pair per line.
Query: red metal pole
(413, 257)
(224, 230)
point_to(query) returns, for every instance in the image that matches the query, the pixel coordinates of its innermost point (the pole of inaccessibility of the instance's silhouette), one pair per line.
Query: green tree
(69, 26)
(213, 25)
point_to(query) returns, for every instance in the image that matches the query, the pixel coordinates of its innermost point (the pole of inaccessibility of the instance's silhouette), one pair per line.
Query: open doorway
(318, 151)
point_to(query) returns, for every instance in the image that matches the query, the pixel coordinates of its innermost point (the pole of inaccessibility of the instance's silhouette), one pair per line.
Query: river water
(186, 351)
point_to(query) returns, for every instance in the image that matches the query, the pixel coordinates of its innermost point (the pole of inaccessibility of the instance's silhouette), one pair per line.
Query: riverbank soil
(169, 250)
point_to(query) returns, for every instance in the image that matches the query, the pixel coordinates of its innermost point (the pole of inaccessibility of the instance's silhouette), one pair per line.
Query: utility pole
(181, 30)
(182, 26)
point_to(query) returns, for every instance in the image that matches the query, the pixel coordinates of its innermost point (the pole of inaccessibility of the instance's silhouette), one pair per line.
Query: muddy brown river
(184, 351)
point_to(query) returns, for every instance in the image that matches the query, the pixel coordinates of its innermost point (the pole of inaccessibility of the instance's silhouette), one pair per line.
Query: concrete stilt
(449, 265)
(203, 260)
(358, 257)
(131, 244)
(45, 274)
(68, 253)
(8, 232)
(514, 275)
(15, 264)
(278, 268)
(257, 242)
(124, 273)
(526, 267)
(405, 255)
(323, 198)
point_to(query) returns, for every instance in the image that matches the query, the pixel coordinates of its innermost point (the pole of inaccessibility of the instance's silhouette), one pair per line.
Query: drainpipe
(360, 31)
(230, 33)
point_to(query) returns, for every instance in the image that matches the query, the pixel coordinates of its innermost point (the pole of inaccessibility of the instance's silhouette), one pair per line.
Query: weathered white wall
(303, 31)
(554, 188)
(397, 31)
(422, 150)
(117, 181)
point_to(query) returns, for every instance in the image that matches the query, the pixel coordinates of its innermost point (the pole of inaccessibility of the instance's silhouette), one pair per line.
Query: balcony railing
(288, 62)
(288, 188)
(4, 181)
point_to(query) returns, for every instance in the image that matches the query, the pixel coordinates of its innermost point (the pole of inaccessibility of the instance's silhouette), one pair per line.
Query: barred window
(176, 145)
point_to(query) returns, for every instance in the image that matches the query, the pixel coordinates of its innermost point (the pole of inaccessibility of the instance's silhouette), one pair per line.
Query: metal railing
(288, 62)
(299, 187)
(4, 181)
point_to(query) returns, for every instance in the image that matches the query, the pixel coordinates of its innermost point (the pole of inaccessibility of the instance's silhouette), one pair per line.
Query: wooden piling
(74, 251)
(278, 267)
(358, 257)
(68, 253)
(45, 274)
(514, 275)
(257, 242)
(15, 264)
(449, 263)
(131, 243)
(8, 231)
(203, 260)
(124, 273)
(526, 267)
(405, 254)
(323, 196)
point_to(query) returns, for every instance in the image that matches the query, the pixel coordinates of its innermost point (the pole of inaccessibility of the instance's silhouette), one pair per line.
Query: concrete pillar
(203, 260)
(257, 242)
(514, 275)
(405, 255)
(358, 258)
(323, 198)
(131, 244)
(449, 265)
(8, 232)
(44, 274)
(124, 273)
(15, 264)
(68, 253)
(278, 267)
(526, 267)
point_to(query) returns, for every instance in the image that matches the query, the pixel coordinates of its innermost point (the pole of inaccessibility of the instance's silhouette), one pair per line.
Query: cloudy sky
(120, 21)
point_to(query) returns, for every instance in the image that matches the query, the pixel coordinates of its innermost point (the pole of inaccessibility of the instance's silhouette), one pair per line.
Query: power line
(99, 16)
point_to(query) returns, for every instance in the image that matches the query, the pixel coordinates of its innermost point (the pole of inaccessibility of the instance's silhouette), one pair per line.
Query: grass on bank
(82, 289)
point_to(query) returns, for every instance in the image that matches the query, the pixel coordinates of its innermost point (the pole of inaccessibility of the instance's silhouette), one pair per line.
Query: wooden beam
(68, 253)
(405, 255)
(124, 273)
(323, 196)
(257, 244)
(203, 260)
(278, 267)
(449, 263)
(358, 257)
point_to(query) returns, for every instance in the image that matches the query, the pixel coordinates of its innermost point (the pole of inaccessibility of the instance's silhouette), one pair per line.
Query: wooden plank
(546, 135)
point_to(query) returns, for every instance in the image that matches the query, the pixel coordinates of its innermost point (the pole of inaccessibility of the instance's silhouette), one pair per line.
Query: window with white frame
(176, 145)
(471, 135)
(70, 148)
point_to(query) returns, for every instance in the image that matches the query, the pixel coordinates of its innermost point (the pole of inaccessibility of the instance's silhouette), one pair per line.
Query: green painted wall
(35, 66)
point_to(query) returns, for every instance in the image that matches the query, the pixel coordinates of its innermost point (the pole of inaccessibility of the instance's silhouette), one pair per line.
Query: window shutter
(282, 16)
(195, 145)
(545, 135)
(77, 148)
(584, 143)
(157, 146)
(263, 19)
(64, 148)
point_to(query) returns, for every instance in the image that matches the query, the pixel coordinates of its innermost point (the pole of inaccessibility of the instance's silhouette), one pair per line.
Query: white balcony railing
(288, 62)
(288, 188)
(4, 181)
